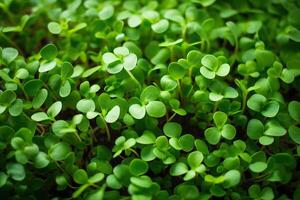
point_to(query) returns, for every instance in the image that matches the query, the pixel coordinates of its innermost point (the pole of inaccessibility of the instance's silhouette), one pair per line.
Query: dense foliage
(149, 99)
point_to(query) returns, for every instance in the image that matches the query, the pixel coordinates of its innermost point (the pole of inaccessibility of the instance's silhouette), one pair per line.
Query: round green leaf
(294, 110)
(85, 105)
(232, 178)
(210, 62)
(39, 116)
(156, 109)
(130, 61)
(41, 160)
(294, 133)
(134, 21)
(186, 142)
(54, 109)
(160, 26)
(113, 115)
(137, 111)
(16, 171)
(9, 54)
(80, 176)
(223, 70)
(258, 167)
(54, 27)
(207, 73)
(59, 151)
(270, 109)
(255, 129)
(176, 71)
(138, 167)
(256, 102)
(49, 52)
(220, 118)
(172, 129)
(228, 131)
(194, 159)
(150, 93)
(266, 140)
(178, 169)
(7, 97)
(106, 12)
(212, 135)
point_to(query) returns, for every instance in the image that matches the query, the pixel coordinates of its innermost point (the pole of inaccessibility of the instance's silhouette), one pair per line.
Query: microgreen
(142, 100)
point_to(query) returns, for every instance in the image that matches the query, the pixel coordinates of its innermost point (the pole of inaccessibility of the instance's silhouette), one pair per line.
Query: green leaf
(22, 73)
(47, 66)
(113, 115)
(150, 93)
(232, 178)
(85, 105)
(273, 128)
(186, 142)
(194, 159)
(294, 133)
(106, 12)
(207, 73)
(49, 52)
(205, 3)
(178, 169)
(65, 89)
(228, 131)
(146, 138)
(160, 26)
(294, 110)
(270, 109)
(54, 109)
(33, 86)
(80, 176)
(256, 102)
(138, 167)
(220, 118)
(130, 61)
(59, 151)
(7, 97)
(255, 129)
(16, 108)
(40, 116)
(223, 70)
(9, 54)
(134, 21)
(156, 109)
(39, 99)
(54, 27)
(210, 62)
(258, 167)
(3, 179)
(176, 71)
(66, 70)
(212, 135)
(41, 160)
(137, 111)
(266, 140)
(172, 129)
(113, 182)
(16, 171)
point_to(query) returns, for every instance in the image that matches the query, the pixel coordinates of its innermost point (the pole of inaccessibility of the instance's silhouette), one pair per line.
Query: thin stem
(106, 128)
(245, 94)
(172, 116)
(134, 152)
(134, 79)
(22, 88)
